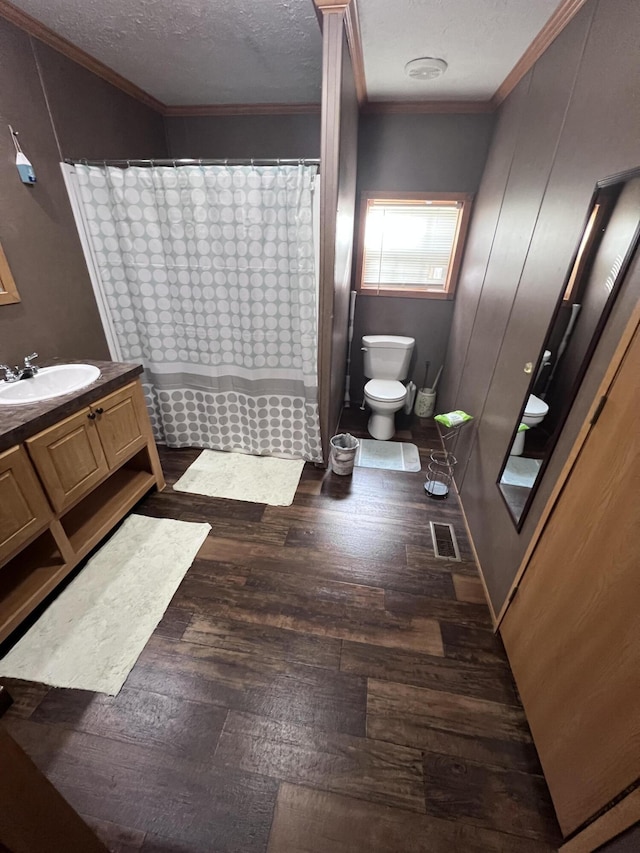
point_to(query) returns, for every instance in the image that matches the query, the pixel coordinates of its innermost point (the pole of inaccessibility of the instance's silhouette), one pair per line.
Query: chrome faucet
(29, 369)
(13, 374)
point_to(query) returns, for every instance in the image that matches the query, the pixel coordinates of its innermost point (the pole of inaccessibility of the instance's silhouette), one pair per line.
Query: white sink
(47, 383)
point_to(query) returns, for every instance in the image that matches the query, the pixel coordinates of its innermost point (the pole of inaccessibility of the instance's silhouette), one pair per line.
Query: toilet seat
(535, 407)
(385, 390)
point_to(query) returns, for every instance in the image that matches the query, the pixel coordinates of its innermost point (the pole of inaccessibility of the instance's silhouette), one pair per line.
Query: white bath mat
(520, 471)
(258, 479)
(92, 634)
(392, 455)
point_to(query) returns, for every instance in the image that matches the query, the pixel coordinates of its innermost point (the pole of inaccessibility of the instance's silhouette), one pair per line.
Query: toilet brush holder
(425, 403)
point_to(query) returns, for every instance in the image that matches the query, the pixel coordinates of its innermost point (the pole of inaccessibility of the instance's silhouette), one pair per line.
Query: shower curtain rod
(227, 161)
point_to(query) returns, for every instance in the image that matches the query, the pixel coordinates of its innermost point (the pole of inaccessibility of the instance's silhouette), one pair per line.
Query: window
(411, 244)
(8, 289)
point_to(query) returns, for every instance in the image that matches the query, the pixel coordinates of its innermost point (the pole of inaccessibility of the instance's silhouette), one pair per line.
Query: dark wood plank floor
(319, 684)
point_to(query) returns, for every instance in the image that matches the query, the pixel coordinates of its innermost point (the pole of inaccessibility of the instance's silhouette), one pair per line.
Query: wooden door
(69, 458)
(24, 510)
(572, 632)
(33, 814)
(121, 419)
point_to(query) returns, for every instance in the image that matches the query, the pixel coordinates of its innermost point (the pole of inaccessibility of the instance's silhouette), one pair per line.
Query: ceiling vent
(425, 68)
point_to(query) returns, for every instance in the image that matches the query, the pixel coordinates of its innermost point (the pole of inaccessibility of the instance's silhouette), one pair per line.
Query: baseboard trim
(477, 559)
(608, 826)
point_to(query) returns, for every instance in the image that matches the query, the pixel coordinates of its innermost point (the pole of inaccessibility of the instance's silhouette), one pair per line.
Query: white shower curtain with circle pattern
(207, 276)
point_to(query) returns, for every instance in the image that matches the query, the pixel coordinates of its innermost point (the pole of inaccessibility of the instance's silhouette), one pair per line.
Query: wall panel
(415, 153)
(348, 164)
(244, 136)
(80, 116)
(337, 207)
(598, 136)
(546, 94)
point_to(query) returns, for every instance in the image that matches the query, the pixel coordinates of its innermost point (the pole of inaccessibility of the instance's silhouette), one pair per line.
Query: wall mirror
(8, 289)
(594, 279)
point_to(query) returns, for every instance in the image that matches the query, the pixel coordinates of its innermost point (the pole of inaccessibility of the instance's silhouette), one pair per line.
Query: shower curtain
(206, 275)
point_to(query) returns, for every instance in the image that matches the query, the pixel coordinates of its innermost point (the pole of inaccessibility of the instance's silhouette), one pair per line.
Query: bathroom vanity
(71, 468)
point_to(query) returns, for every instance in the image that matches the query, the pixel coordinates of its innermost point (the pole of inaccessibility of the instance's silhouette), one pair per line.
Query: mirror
(605, 250)
(8, 289)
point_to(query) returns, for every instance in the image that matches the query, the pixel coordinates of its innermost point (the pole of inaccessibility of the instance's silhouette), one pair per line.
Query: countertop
(18, 423)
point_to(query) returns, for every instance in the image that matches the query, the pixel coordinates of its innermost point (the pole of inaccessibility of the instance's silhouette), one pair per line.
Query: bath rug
(238, 477)
(90, 637)
(391, 455)
(520, 471)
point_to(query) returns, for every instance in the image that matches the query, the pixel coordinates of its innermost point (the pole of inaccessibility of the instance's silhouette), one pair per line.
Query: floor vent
(445, 544)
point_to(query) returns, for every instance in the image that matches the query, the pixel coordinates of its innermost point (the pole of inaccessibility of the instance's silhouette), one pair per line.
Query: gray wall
(348, 165)
(564, 127)
(81, 115)
(413, 153)
(244, 136)
(339, 147)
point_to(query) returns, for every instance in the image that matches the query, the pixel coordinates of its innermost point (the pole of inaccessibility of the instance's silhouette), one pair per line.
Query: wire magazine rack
(442, 463)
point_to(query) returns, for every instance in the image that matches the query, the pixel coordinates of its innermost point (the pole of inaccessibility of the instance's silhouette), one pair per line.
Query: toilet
(534, 414)
(386, 362)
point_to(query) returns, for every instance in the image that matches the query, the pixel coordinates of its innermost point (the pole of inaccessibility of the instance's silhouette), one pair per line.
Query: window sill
(407, 294)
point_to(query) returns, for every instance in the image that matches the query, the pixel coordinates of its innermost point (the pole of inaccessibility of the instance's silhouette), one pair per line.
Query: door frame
(625, 813)
(608, 379)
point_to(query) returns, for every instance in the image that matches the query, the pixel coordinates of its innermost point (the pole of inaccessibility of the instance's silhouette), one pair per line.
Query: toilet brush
(426, 375)
(426, 397)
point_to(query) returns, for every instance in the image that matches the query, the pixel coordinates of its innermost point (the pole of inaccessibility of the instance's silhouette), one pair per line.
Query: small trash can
(342, 457)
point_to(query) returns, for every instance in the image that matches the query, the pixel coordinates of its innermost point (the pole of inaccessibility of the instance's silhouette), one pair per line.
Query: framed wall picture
(8, 289)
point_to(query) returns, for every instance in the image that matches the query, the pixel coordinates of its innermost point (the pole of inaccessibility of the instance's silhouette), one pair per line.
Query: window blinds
(409, 246)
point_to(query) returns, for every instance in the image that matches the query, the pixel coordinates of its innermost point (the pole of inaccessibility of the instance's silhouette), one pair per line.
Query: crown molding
(425, 107)
(328, 7)
(241, 110)
(562, 16)
(41, 32)
(354, 40)
(565, 12)
(348, 8)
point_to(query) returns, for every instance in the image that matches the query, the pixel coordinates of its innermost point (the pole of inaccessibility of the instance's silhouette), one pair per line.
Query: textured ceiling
(198, 51)
(480, 39)
(270, 51)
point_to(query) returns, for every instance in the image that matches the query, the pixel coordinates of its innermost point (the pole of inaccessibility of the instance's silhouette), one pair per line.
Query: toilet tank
(386, 356)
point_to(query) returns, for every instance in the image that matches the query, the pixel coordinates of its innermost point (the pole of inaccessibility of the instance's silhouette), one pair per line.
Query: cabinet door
(121, 420)
(69, 458)
(24, 510)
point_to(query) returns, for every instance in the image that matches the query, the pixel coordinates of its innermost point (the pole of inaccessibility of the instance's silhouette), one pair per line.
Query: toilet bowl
(384, 397)
(533, 415)
(386, 362)
(535, 411)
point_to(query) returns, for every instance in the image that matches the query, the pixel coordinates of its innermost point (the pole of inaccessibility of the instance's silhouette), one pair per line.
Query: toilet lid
(535, 407)
(385, 390)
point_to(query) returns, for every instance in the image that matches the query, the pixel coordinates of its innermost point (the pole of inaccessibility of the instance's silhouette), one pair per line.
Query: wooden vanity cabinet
(24, 509)
(76, 454)
(65, 489)
(121, 419)
(69, 458)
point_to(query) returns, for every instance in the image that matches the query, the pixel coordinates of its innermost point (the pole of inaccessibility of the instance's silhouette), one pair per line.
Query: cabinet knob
(99, 411)
(91, 416)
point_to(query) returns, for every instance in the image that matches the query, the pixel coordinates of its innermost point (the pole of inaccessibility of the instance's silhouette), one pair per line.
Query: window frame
(8, 291)
(465, 199)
